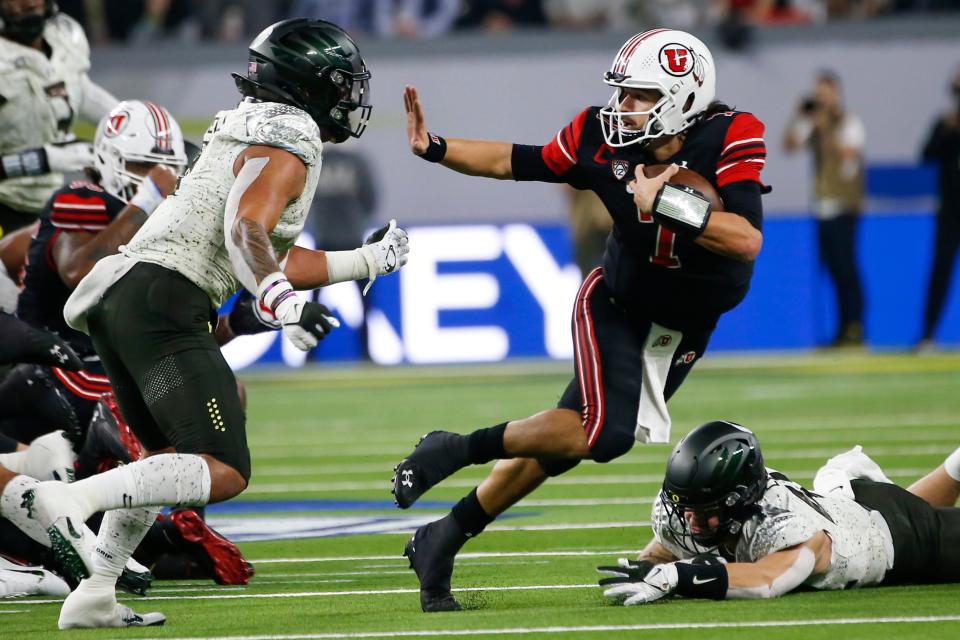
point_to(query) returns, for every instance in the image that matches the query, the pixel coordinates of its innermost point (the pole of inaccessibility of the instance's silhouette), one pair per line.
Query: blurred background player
(836, 139)
(642, 320)
(943, 149)
(44, 60)
(726, 526)
(149, 310)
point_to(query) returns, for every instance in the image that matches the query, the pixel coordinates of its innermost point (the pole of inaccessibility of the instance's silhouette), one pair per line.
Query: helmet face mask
(714, 479)
(676, 65)
(129, 140)
(25, 29)
(313, 65)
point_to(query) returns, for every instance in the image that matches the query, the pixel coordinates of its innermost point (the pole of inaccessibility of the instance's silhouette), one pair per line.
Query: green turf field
(329, 439)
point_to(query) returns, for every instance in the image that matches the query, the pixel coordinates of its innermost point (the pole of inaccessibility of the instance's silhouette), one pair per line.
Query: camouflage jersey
(186, 232)
(39, 99)
(789, 515)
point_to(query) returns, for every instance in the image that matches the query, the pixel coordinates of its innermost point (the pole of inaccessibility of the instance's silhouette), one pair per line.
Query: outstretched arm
(769, 577)
(484, 158)
(780, 572)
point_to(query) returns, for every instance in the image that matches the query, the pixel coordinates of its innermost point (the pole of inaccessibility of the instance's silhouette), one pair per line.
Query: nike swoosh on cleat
(697, 580)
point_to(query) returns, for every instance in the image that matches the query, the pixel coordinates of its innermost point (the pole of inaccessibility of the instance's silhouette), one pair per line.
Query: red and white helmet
(676, 64)
(139, 132)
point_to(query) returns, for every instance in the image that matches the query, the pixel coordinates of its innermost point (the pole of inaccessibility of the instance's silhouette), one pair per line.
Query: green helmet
(313, 65)
(717, 468)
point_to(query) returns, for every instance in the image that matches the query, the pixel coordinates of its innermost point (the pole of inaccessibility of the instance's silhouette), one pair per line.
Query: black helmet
(717, 467)
(313, 65)
(26, 29)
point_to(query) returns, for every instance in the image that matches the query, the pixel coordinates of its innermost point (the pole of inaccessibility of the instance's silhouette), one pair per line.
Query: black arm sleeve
(526, 161)
(743, 198)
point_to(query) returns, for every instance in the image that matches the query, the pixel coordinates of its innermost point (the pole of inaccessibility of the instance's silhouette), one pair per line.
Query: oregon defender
(231, 223)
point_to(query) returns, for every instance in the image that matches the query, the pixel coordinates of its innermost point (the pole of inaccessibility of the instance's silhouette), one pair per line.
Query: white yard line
(330, 594)
(627, 480)
(460, 556)
(590, 629)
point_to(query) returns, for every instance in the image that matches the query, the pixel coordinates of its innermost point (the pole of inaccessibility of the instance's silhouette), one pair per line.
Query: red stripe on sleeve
(561, 153)
(745, 130)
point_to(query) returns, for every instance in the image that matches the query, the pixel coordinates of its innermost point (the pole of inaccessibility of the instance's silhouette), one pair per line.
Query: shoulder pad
(79, 208)
(775, 529)
(71, 31)
(285, 127)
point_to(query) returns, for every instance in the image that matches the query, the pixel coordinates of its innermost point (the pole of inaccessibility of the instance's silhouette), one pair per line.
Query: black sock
(8, 444)
(470, 515)
(484, 445)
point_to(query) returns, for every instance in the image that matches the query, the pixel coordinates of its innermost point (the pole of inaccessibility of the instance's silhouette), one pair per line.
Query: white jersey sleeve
(789, 515)
(39, 100)
(186, 232)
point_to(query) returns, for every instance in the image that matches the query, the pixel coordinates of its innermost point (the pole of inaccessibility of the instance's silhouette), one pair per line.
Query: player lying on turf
(674, 263)
(725, 526)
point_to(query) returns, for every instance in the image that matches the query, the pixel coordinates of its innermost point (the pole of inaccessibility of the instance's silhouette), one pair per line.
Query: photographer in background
(836, 138)
(943, 148)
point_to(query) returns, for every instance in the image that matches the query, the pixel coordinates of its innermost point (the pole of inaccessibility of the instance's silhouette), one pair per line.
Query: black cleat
(438, 455)
(135, 582)
(432, 551)
(24, 343)
(109, 441)
(32, 390)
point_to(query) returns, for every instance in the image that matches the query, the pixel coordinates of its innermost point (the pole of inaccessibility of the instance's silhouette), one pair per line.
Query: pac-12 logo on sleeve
(676, 59)
(620, 168)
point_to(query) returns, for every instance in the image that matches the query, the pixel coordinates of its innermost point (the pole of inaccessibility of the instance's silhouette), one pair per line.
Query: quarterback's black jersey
(81, 206)
(651, 271)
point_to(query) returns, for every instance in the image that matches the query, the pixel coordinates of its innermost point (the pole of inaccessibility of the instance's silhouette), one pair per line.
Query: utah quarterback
(673, 264)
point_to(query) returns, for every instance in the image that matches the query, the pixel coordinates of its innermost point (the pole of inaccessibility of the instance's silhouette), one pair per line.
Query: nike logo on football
(697, 580)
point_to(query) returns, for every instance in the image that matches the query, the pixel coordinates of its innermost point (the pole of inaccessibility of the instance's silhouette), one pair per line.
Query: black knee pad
(612, 444)
(557, 466)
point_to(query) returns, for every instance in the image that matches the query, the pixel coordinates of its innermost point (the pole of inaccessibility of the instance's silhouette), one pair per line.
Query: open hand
(645, 189)
(416, 123)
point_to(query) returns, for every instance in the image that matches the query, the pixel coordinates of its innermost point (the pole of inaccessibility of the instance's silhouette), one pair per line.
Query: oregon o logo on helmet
(675, 498)
(116, 124)
(676, 59)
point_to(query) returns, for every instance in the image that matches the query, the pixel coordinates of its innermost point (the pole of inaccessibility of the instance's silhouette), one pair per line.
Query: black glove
(626, 571)
(317, 320)
(246, 319)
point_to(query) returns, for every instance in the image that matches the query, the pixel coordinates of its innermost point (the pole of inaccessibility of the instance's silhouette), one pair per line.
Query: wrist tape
(148, 196)
(31, 162)
(274, 291)
(681, 209)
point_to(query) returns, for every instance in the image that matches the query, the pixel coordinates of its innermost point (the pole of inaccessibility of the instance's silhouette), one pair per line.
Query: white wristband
(276, 293)
(346, 265)
(148, 196)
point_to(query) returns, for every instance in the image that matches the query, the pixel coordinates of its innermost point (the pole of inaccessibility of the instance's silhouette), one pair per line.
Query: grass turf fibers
(335, 434)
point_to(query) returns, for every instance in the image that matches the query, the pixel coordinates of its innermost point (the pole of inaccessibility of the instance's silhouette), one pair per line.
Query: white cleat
(85, 610)
(20, 580)
(51, 505)
(51, 457)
